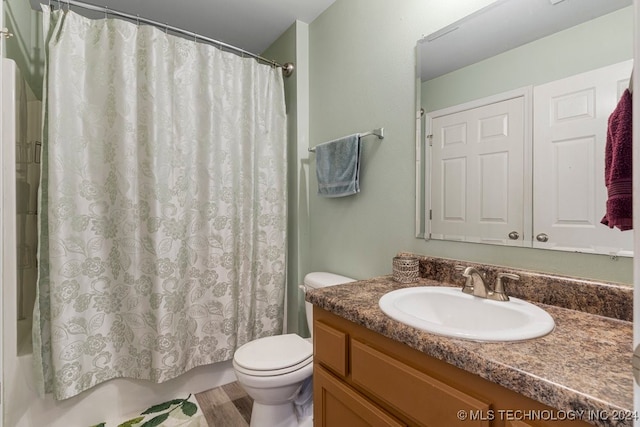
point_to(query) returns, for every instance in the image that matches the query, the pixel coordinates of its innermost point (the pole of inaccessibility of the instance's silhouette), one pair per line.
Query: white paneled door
(478, 164)
(569, 137)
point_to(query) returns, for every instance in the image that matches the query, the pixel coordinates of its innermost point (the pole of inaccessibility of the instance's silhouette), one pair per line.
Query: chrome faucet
(479, 288)
(475, 284)
(468, 285)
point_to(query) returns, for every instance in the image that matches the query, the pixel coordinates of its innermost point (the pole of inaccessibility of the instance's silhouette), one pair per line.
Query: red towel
(618, 166)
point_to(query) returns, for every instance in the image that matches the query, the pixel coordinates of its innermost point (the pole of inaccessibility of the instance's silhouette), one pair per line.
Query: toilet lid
(281, 352)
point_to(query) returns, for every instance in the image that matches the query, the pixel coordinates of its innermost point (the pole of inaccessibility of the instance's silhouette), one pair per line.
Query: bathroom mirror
(514, 49)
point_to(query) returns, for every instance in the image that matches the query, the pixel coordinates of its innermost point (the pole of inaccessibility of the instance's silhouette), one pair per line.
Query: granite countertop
(584, 364)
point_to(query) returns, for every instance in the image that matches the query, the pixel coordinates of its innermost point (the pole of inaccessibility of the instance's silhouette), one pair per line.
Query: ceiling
(252, 25)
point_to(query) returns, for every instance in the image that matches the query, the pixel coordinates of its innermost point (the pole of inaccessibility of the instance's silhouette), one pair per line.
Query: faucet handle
(498, 292)
(468, 285)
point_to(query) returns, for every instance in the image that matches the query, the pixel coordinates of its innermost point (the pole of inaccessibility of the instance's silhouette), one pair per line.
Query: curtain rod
(287, 68)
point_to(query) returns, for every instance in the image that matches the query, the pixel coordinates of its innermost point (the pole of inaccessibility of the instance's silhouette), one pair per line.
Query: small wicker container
(406, 269)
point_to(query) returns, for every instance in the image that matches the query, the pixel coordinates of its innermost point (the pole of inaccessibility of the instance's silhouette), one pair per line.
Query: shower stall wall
(28, 123)
(22, 407)
(21, 174)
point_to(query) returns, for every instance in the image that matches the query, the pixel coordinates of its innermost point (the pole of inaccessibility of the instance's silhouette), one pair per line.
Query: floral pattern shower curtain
(163, 203)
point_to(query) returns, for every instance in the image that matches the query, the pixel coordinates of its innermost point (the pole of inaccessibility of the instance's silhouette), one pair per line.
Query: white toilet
(272, 370)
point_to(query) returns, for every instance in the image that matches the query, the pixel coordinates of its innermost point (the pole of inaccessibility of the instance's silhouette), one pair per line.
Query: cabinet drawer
(336, 404)
(421, 397)
(330, 348)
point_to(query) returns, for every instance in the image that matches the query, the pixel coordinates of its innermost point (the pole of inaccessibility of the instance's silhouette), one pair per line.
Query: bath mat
(174, 413)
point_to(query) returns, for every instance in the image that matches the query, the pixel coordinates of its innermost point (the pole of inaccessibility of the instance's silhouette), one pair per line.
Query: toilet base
(281, 415)
(306, 422)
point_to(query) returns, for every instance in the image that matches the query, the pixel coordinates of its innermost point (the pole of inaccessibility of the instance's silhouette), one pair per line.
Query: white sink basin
(452, 313)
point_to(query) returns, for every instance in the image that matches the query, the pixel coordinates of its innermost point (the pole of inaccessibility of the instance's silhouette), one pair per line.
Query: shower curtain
(163, 200)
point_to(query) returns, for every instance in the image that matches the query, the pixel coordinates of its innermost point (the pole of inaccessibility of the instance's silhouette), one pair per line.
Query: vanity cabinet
(343, 406)
(362, 378)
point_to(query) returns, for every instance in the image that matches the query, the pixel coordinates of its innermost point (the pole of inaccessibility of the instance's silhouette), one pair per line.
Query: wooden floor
(226, 406)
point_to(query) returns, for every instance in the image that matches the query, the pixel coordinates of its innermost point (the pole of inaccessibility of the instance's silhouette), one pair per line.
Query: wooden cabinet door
(517, 424)
(419, 397)
(330, 348)
(336, 404)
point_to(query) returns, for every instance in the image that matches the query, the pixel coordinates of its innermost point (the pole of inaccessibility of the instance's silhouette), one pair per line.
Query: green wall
(292, 46)
(25, 47)
(362, 76)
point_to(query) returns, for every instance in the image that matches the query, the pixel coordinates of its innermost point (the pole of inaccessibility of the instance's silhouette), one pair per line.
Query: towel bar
(377, 132)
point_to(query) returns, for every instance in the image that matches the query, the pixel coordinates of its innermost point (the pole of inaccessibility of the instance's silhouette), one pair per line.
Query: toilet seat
(271, 356)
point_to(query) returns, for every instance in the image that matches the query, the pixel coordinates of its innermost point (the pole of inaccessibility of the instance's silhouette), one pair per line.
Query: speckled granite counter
(584, 364)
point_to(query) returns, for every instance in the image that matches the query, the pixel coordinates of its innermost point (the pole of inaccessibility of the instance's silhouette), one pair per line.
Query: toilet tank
(318, 280)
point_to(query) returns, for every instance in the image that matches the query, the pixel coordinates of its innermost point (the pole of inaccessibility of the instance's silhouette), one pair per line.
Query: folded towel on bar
(338, 166)
(618, 166)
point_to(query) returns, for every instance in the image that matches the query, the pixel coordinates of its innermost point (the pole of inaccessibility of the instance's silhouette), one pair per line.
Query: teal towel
(338, 167)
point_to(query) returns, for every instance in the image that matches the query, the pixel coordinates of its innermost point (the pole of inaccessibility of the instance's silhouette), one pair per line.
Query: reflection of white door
(478, 166)
(569, 137)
